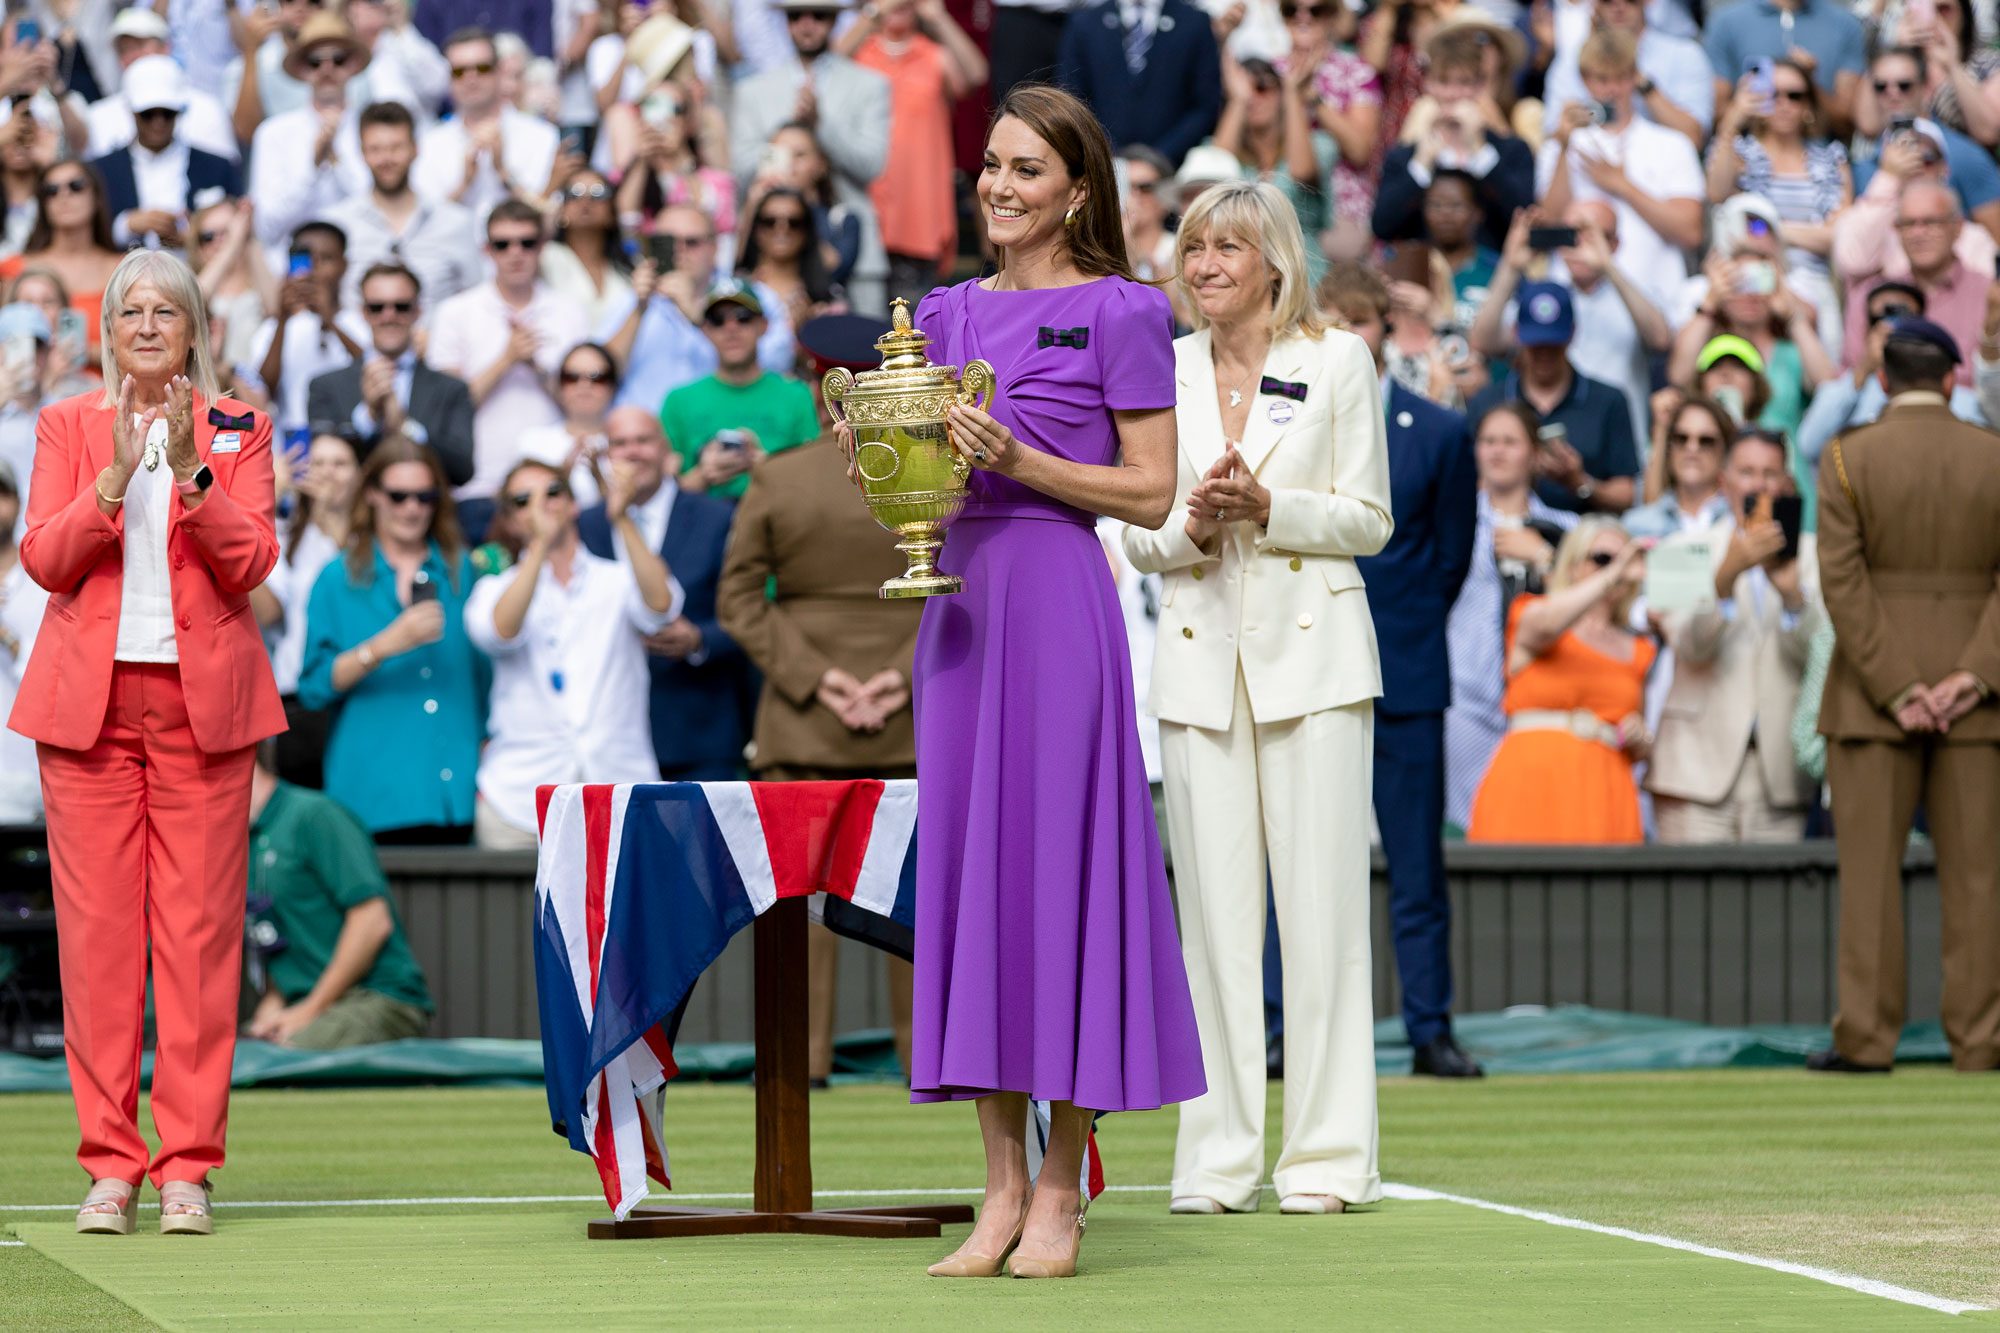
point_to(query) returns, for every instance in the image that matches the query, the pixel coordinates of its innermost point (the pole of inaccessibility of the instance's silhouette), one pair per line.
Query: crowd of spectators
(523, 288)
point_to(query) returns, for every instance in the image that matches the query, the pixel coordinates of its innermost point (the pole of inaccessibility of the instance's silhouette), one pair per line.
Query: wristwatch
(197, 484)
(1585, 489)
(1645, 87)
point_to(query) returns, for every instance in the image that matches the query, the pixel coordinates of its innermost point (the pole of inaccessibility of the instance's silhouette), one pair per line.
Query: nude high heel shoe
(966, 1264)
(1020, 1267)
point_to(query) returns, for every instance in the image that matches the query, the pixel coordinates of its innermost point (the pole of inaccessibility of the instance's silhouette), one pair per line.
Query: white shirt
(146, 610)
(288, 187)
(527, 149)
(1660, 161)
(310, 351)
(468, 334)
(1608, 348)
(21, 605)
(572, 697)
(204, 125)
(652, 517)
(161, 181)
(291, 582)
(437, 244)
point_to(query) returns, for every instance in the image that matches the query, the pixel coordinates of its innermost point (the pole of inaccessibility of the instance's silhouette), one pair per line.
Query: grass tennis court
(1896, 1180)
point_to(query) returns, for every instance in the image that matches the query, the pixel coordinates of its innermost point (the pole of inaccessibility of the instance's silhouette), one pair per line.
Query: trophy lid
(902, 347)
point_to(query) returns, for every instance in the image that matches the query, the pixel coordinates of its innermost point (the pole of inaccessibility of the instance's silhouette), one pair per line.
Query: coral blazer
(216, 554)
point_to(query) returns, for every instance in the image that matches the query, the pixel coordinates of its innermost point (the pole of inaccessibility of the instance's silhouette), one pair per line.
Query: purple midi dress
(1047, 961)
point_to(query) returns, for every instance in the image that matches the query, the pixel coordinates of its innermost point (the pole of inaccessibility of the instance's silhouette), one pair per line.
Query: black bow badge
(1282, 388)
(221, 420)
(1077, 338)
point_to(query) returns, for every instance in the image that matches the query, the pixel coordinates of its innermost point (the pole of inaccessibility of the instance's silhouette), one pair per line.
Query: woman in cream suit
(1264, 680)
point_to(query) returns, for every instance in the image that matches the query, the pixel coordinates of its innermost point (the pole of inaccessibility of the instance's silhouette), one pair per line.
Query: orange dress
(913, 198)
(1554, 786)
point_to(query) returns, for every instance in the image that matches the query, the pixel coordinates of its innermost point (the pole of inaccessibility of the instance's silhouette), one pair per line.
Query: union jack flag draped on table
(638, 889)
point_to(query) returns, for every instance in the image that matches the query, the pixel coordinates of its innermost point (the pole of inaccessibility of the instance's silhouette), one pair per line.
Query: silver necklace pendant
(152, 457)
(1236, 397)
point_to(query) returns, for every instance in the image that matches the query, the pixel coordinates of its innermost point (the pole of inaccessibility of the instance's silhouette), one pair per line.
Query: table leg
(784, 1107)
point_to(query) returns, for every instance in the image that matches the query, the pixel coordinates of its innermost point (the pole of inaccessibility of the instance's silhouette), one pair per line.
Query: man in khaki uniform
(798, 593)
(1909, 543)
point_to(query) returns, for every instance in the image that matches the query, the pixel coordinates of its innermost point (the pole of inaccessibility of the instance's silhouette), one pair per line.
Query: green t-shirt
(776, 408)
(310, 861)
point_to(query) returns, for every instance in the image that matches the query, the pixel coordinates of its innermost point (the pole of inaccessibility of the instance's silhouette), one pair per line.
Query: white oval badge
(1280, 412)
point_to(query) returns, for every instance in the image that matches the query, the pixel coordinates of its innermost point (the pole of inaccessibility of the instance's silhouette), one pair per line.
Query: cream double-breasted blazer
(1285, 602)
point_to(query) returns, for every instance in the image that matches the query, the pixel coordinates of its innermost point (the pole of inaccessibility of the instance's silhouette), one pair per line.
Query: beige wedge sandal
(184, 1209)
(107, 1209)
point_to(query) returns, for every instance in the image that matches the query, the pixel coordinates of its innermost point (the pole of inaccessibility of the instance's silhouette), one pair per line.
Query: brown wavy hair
(397, 448)
(44, 234)
(1097, 241)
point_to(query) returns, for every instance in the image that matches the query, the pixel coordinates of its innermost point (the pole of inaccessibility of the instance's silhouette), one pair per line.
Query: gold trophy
(912, 479)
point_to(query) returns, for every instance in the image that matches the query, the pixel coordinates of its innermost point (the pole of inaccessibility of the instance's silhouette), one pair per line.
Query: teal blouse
(404, 750)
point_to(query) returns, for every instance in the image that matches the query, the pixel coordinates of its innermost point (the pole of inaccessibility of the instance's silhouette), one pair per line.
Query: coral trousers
(149, 841)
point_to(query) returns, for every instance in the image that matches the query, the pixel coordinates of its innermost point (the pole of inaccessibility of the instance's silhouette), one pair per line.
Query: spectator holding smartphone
(1576, 678)
(1459, 128)
(386, 641)
(310, 335)
(724, 424)
(1722, 767)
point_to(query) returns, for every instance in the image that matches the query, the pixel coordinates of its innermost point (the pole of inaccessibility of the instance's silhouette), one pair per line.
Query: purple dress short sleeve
(1047, 961)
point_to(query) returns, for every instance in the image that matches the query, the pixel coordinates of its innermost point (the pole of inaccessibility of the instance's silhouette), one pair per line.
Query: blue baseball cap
(1545, 316)
(1910, 328)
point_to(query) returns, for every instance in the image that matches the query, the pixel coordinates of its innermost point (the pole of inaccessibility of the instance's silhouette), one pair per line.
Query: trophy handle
(977, 384)
(834, 387)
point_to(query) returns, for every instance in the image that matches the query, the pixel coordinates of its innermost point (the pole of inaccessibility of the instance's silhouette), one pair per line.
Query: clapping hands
(863, 706)
(1227, 493)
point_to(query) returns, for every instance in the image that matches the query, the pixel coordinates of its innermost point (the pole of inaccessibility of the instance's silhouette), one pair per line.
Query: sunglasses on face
(522, 499)
(1897, 311)
(781, 222)
(568, 376)
(1900, 85)
(816, 15)
(593, 190)
(502, 244)
(727, 314)
(156, 113)
(335, 59)
(1304, 11)
(207, 237)
(384, 307)
(74, 185)
(1682, 440)
(476, 67)
(1796, 96)
(426, 498)
(1602, 559)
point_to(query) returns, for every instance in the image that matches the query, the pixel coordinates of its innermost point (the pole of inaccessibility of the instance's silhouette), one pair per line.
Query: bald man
(702, 684)
(1928, 245)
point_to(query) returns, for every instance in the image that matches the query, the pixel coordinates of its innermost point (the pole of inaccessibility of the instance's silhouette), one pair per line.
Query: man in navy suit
(701, 679)
(1150, 69)
(1433, 485)
(152, 184)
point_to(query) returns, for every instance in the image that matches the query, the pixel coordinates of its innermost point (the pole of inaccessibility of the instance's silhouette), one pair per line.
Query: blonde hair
(1257, 213)
(1610, 52)
(178, 284)
(1573, 551)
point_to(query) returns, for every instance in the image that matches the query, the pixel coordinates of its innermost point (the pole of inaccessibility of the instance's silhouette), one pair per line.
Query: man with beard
(392, 224)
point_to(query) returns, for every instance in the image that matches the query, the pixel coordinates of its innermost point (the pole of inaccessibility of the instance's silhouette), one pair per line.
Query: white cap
(155, 82)
(138, 21)
(1206, 164)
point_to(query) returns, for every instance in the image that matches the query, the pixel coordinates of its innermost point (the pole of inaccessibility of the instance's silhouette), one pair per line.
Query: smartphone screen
(300, 264)
(1551, 238)
(1789, 511)
(422, 589)
(662, 252)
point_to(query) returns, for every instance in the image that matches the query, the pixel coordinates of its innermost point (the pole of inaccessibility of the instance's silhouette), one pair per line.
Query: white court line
(1408, 1193)
(1866, 1285)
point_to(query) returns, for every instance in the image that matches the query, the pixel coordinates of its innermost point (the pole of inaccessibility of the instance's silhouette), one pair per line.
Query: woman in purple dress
(1048, 966)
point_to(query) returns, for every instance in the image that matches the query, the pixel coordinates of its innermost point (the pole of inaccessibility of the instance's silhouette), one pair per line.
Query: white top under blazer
(146, 610)
(1284, 604)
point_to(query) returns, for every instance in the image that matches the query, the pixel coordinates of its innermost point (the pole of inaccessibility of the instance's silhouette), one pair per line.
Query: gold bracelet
(113, 500)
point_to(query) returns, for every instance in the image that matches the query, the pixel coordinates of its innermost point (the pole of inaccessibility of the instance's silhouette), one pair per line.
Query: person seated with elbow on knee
(325, 947)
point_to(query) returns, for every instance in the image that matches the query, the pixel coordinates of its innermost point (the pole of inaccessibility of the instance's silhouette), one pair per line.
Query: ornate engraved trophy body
(914, 482)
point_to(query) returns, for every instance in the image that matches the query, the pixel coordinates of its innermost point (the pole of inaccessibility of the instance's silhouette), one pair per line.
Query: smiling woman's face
(150, 335)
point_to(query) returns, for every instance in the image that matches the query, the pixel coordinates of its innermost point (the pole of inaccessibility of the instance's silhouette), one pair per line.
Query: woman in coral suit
(149, 522)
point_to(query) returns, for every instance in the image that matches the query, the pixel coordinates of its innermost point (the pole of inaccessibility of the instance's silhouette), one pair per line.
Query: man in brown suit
(798, 593)
(1909, 545)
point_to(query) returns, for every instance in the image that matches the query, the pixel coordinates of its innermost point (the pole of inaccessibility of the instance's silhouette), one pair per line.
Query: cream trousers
(1294, 795)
